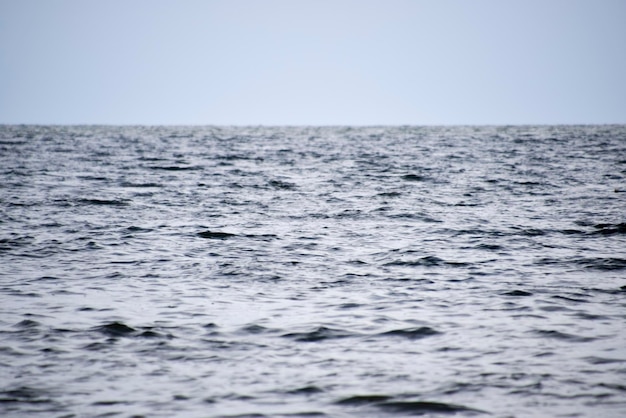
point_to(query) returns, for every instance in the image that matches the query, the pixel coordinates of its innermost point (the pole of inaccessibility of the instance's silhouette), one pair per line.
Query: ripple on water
(312, 271)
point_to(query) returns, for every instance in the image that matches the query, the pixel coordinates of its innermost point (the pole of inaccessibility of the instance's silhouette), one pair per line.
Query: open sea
(313, 271)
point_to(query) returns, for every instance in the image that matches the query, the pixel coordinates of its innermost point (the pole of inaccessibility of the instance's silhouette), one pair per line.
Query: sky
(312, 62)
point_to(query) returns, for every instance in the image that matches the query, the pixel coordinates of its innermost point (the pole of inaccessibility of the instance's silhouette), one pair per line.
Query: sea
(335, 271)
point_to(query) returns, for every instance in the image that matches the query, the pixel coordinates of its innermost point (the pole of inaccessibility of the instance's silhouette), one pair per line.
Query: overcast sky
(312, 62)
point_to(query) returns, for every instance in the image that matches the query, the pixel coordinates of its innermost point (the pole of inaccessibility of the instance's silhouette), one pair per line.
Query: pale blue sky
(312, 62)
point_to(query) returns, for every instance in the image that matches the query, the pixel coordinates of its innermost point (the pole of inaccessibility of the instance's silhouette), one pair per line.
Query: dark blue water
(331, 272)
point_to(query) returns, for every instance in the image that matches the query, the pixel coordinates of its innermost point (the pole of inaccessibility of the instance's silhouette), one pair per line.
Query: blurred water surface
(313, 271)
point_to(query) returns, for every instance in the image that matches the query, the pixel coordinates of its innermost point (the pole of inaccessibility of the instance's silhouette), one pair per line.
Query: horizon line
(258, 125)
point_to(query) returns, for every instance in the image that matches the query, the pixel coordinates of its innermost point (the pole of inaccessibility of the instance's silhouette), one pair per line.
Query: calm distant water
(313, 272)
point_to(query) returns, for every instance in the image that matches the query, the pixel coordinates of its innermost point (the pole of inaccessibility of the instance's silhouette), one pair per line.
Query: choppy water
(331, 272)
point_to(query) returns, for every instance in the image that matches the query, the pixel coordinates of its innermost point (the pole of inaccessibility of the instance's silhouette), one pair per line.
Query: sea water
(313, 271)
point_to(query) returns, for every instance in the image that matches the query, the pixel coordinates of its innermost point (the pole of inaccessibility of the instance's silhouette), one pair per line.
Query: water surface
(303, 271)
